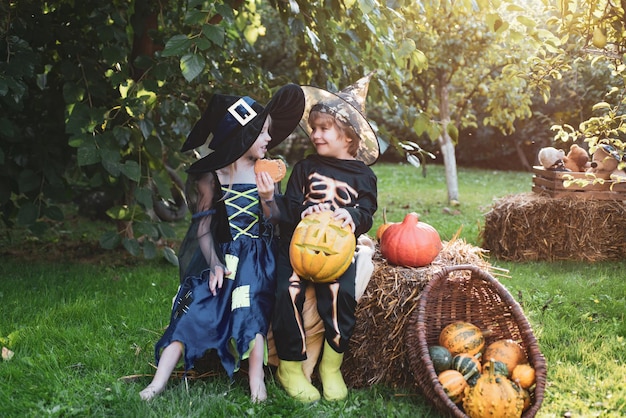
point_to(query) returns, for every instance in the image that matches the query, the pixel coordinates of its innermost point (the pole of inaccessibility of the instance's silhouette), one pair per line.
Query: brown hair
(346, 129)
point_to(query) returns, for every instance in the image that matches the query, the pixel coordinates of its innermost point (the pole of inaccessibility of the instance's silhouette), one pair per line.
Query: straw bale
(533, 227)
(377, 352)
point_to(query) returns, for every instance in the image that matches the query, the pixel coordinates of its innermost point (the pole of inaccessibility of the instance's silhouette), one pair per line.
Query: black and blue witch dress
(229, 321)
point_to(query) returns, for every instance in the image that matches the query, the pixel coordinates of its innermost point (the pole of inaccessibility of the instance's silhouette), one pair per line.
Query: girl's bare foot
(150, 392)
(258, 392)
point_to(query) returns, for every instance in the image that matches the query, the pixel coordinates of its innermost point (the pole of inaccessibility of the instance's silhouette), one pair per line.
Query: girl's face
(328, 139)
(259, 148)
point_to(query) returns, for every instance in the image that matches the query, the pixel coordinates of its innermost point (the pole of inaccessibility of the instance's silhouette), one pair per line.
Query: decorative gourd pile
(500, 385)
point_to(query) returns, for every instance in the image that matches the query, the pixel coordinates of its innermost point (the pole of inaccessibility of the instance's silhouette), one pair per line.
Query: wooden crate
(550, 183)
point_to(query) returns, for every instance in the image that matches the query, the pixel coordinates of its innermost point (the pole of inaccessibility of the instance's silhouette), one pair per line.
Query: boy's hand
(320, 207)
(344, 216)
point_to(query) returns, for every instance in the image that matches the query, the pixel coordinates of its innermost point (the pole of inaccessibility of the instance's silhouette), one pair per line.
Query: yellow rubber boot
(330, 373)
(291, 376)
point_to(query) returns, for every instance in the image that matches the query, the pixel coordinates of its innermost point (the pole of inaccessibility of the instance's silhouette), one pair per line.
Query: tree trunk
(522, 157)
(449, 162)
(446, 145)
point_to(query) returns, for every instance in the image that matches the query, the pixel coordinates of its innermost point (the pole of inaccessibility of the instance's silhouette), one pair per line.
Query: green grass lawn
(77, 328)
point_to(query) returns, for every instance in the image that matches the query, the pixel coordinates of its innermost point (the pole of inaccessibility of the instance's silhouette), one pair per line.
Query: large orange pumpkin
(410, 243)
(320, 249)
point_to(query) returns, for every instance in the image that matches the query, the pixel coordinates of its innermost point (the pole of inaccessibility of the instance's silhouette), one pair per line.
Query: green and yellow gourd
(493, 395)
(441, 358)
(467, 365)
(454, 384)
(462, 337)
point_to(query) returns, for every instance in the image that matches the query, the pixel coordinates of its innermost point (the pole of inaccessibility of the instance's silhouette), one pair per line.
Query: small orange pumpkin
(321, 249)
(454, 384)
(410, 243)
(462, 337)
(383, 227)
(507, 351)
(523, 375)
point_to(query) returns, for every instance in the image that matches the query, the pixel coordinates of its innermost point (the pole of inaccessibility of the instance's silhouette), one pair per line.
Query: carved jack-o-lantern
(321, 250)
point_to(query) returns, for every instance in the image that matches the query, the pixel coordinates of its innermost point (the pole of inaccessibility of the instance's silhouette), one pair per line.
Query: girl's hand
(216, 278)
(344, 216)
(320, 207)
(265, 185)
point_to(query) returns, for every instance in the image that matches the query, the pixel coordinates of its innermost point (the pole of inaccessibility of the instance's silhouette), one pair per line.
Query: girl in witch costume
(227, 258)
(337, 178)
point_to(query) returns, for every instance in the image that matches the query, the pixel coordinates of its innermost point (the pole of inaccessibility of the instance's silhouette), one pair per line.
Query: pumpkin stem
(384, 215)
(492, 369)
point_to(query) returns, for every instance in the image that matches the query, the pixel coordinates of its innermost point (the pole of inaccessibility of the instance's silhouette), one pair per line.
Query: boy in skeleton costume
(337, 178)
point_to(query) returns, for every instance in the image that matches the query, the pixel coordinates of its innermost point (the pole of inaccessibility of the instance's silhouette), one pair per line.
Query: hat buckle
(242, 112)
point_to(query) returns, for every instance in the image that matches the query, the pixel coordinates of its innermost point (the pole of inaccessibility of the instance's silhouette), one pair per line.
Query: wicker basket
(466, 293)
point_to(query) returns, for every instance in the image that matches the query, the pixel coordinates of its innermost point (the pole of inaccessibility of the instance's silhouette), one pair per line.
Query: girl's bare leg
(169, 358)
(256, 374)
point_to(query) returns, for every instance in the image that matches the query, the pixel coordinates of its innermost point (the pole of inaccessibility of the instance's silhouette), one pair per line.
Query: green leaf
(146, 126)
(149, 250)
(27, 214)
(143, 195)
(73, 93)
(154, 147)
(406, 48)
(109, 240)
(194, 16)
(170, 256)
(601, 105)
(7, 128)
(214, 33)
(527, 21)
(119, 213)
(191, 66)
(166, 230)
(110, 160)
(131, 245)
(421, 124)
(38, 228)
(4, 87)
(148, 229)
(28, 181)
(78, 119)
(54, 212)
(453, 132)
(176, 45)
(131, 170)
(87, 154)
(122, 134)
(225, 11)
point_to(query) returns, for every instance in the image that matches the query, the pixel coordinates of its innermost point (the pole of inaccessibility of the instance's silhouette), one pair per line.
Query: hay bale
(532, 227)
(377, 352)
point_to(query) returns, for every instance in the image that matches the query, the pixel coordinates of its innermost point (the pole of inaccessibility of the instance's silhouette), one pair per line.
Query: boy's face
(328, 139)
